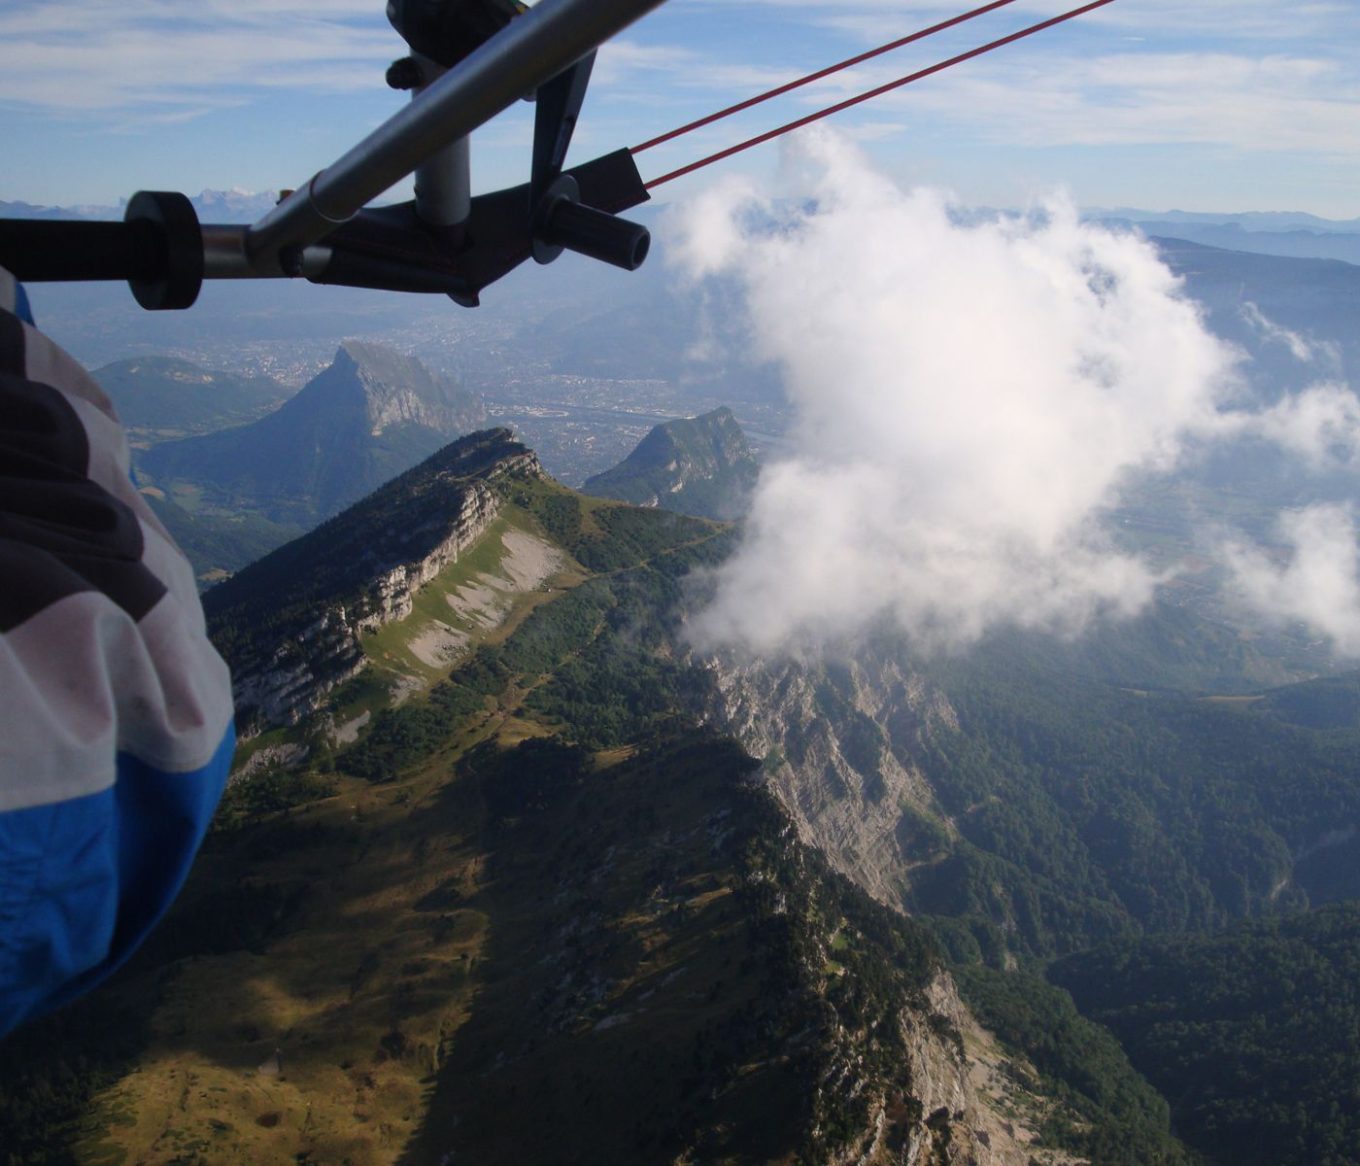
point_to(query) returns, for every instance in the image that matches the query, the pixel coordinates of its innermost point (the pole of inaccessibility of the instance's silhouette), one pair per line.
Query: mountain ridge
(290, 624)
(573, 862)
(701, 466)
(369, 415)
(412, 931)
(213, 206)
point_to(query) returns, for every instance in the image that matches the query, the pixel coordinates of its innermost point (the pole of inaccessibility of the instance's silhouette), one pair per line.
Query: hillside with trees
(540, 874)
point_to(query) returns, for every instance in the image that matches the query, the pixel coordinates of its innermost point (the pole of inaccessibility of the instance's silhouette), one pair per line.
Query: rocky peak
(364, 419)
(393, 389)
(700, 465)
(289, 624)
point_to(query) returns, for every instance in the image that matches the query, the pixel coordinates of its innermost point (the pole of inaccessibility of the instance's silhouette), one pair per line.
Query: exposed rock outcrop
(701, 466)
(306, 604)
(367, 417)
(833, 743)
(975, 1110)
(393, 390)
(838, 743)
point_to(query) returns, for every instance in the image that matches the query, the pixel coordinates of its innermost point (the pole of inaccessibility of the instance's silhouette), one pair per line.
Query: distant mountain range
(701, 466)
(370, 415)
(1316, 298)
(213, 206)
(1247, 221)
(583, 319)
(599, 330)
(1298, 242)
(236, 205)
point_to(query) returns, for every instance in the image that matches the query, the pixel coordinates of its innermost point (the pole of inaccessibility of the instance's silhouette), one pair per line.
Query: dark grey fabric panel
(41, 435)
(11, 344)
(60, 533)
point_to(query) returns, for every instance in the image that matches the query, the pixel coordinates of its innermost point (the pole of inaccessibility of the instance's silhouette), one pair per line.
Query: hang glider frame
(470, 60)
(444, 240)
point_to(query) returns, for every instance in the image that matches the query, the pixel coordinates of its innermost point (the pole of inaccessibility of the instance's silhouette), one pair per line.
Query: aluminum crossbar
(528, 52)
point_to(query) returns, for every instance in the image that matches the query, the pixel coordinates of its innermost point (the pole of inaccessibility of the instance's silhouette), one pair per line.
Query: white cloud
(625, 59)
(1241, 20)
(1315, 582)
(1321, 425)
(970, 401)
(1300, 347)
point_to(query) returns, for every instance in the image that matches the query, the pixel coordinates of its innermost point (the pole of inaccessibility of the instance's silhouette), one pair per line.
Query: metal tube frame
(528, 52)
(444, 179)
(224, 255)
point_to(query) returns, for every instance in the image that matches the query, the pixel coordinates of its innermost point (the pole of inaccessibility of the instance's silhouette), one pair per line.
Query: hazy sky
(1222, 105)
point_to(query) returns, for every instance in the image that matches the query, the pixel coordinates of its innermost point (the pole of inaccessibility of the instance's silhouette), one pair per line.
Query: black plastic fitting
(404, 74)
(446, 31)
(177, 275)
(157, 248)
(591, 232)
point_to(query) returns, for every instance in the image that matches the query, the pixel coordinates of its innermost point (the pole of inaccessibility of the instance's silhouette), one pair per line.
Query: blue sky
(1224, 105)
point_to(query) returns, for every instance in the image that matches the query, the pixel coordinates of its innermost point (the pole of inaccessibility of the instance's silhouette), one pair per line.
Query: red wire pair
(852, 101)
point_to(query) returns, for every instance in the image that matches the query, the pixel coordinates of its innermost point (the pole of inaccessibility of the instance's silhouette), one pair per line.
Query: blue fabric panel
(22, 309)
(82, 882)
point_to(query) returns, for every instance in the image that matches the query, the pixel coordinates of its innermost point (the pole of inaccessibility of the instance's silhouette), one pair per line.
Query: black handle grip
(157, 248)
(43, 250)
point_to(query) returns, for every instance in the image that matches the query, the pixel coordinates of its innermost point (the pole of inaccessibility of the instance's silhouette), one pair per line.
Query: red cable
(817, 76)
(872, 93)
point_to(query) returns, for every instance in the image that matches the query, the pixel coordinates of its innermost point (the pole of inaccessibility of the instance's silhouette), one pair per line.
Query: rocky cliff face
(393, 390)
(304, 667)
(369, 416)
(837, 743)
(965, 1106)
(308, 664)
(837, 746)
(701, 466)
(976, 1110)
(307, 604)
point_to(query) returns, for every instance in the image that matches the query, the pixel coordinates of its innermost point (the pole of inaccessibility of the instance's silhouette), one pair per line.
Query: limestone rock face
(836, 744)
(394, 390)
(390, 594)
(306, 604)
(372, 414)
(302, 670)
(975, 1111)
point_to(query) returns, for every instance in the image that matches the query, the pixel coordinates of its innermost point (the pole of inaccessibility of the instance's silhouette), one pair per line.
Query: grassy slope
(644, 989)
(349, 961)
(327, 960)
(636, 967)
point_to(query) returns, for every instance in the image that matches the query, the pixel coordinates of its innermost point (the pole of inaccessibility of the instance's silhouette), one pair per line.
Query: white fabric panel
(83, 682)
